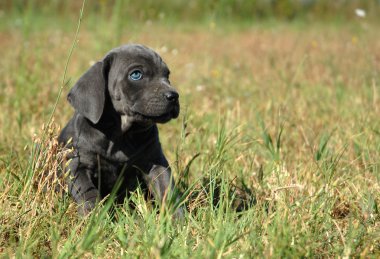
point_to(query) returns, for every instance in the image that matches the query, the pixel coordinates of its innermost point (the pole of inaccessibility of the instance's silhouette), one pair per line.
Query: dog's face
(139, 85)
(137, 81)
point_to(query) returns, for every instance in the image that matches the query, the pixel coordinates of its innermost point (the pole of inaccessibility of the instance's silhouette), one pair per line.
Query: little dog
(113, 132)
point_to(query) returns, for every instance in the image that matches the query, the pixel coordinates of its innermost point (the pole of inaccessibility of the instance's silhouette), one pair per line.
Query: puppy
(113, 132)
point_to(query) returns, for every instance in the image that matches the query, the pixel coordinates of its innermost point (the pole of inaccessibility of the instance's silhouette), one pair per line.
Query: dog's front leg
(161, 184)
(82, 188)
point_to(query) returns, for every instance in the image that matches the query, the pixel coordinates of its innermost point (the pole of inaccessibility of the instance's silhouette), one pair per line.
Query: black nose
(171, 96)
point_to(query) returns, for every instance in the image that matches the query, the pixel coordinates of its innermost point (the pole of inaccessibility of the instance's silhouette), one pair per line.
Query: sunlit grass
(276, 149)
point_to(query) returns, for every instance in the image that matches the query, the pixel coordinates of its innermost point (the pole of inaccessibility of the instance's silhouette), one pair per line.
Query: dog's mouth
(159, 119)
(162, 118)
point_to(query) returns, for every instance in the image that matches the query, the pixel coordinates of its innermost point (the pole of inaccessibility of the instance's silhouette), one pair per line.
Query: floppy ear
(89, 93)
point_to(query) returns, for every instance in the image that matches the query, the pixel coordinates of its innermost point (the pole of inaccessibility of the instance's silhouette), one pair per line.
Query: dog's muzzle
(160, 108)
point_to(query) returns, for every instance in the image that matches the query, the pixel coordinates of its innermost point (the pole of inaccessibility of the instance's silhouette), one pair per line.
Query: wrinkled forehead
(137, 54)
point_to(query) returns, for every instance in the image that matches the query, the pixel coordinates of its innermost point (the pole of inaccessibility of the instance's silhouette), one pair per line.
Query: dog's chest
(109, 173)
(127, 148)
(113, 153)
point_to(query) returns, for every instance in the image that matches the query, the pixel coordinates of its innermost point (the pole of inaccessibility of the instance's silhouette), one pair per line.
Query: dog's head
(135, 79)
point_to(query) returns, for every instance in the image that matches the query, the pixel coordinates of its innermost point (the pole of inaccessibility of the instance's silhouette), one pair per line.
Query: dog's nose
(171, 96)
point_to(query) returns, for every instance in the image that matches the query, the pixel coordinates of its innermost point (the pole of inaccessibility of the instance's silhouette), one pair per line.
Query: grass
(277, 146)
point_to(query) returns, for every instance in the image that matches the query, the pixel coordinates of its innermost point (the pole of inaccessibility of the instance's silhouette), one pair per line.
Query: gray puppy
(113, 132)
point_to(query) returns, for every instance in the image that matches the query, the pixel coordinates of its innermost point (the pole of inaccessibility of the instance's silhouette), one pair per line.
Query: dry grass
(290, 110)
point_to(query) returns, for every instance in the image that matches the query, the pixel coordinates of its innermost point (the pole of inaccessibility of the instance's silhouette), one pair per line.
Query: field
(276, 148)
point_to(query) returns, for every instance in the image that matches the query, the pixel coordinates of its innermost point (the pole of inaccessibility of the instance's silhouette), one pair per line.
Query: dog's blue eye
(135, 75)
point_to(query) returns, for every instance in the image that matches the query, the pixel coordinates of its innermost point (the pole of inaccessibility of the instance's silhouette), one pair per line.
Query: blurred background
(273, 44)
(198, 10)
(278, 96)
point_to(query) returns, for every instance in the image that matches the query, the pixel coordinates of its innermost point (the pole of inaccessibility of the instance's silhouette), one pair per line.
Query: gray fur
(114, 127)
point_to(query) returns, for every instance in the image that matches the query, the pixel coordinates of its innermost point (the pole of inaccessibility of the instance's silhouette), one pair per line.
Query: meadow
(276, 149)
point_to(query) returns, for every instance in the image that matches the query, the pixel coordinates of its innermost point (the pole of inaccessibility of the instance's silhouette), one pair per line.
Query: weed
(303, 184)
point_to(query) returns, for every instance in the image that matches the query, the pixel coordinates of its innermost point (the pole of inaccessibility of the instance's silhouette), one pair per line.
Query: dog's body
(113, 132)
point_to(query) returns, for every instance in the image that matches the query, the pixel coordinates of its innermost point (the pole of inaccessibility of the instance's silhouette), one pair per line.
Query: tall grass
(275, 153)
(205, 10)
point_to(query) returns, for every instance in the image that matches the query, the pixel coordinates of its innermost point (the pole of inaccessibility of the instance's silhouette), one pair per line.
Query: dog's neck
(129, 125)
(126, 123)
(121, 124)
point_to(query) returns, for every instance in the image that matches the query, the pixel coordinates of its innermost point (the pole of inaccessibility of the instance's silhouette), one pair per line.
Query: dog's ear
(89, 93)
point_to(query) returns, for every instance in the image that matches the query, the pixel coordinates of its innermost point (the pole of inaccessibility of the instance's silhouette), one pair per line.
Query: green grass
(277, 147)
